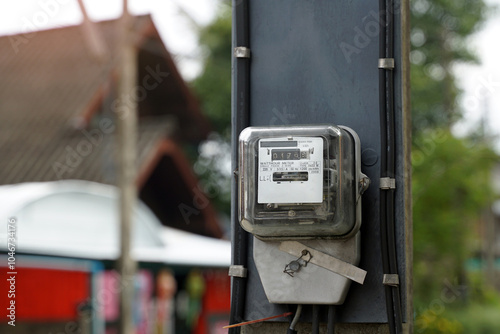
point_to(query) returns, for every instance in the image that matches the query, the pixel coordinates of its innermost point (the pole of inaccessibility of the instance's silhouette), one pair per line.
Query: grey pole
(316, 63)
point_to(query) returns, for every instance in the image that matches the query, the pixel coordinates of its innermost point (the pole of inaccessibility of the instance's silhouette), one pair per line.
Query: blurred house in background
(58, 105)
(490, 252)
(489, 230)
(67, 246)
(486, 260)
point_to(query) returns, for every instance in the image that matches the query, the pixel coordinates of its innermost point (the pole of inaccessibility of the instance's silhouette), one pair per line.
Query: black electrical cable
(383, 163)
(385, 261)
(330, 326)
(240, 120)
(388, 166)
(391, 165)
(395, 291)
(315, 319)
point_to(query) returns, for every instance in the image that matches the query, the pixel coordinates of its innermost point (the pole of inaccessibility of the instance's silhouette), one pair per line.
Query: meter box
(300, 182)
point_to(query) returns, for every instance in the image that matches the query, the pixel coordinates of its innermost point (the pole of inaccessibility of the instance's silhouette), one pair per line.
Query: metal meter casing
(299, 181)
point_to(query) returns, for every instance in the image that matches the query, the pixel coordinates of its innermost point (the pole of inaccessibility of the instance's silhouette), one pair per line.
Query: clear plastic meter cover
(297, 182)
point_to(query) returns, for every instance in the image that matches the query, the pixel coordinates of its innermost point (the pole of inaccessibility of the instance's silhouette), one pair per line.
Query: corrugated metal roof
(54, 103)
(81, 219)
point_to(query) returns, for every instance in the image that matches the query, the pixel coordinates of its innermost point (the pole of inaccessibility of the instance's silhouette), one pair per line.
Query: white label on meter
(290, 170)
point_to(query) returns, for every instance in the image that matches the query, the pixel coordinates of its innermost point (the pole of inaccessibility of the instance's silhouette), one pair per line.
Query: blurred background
(58, 105)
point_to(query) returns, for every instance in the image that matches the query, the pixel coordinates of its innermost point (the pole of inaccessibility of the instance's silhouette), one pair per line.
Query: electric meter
(300, 193)
(300, 182)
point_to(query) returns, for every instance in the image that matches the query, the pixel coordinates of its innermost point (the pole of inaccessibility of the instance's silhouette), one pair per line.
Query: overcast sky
(481, 83)
(176, 20)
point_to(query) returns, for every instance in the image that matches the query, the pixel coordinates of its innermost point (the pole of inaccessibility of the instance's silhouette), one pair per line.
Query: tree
(451, 184)
(440, 30)
(213, 86)
(450, 175)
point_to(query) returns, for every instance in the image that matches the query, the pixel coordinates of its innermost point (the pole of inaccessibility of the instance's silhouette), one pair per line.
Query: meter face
(299, 181)
(290, 170)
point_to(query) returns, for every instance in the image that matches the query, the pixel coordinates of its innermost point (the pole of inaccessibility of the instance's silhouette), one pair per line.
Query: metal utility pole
(127, 123)
(299, 63)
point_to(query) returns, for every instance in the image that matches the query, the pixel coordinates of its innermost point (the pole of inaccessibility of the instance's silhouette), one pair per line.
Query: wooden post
(93, 38)
(127, 133)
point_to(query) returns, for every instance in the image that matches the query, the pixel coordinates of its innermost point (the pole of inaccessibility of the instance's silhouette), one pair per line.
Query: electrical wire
(387, 166)
(383, 162)
(330, 327)
(286, 314)
(239, 120)
(293, 323)
(391, 165)
(315, 319)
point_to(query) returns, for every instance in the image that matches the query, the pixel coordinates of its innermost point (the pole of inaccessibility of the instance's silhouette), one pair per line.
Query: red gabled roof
(53, 94)
(172, 191)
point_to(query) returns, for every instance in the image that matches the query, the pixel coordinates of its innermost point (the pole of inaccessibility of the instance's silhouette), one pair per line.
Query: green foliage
(439, 37)
(473, 318)
(430, 322)
(451, 185)
(213, 86)
(478, 318)
(481, 292)
(450, 312)
(451, 176)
